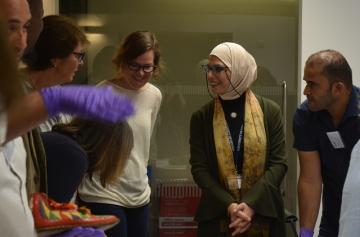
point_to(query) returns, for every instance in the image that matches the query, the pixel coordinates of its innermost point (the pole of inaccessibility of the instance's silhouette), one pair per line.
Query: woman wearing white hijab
(237, 147)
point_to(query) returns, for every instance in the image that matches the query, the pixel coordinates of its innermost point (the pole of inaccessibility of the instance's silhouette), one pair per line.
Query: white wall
(51, 7)
(330, 24)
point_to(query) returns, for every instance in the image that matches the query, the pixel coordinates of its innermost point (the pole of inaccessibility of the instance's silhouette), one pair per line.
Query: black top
(235, 106)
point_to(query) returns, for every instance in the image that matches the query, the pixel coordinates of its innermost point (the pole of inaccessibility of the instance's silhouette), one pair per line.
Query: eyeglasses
(214, 69)
(79, 55)
(136, 67)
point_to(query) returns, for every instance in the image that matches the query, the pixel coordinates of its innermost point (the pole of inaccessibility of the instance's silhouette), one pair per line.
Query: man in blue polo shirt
(326, 127)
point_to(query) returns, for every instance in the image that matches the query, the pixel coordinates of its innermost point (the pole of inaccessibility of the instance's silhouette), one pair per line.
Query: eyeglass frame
(137, 67)
(80, 56)
(214, 69)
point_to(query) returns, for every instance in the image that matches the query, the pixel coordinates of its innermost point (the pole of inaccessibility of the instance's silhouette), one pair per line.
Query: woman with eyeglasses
(237, 151)
(53, 61)
(137, 60)
(55, 58)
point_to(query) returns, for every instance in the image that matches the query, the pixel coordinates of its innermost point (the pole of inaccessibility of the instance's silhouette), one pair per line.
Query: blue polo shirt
(310, 131)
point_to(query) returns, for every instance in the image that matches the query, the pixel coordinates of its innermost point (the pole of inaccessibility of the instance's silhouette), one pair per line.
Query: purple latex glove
(81, 232)
(100, 103)
(304, 232)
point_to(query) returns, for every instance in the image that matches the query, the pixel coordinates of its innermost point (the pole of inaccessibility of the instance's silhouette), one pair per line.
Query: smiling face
(317, 89)
(17, 18)
(135, 79)
(218, 80)
(66, 68)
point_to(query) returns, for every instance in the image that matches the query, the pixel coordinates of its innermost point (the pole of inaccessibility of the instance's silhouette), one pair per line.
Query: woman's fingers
(240, 230)
(243, 215)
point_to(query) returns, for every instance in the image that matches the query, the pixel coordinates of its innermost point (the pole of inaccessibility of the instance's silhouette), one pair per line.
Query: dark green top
(265, 196)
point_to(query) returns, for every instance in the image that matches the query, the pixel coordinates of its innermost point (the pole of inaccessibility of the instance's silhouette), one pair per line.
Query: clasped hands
(240, 217)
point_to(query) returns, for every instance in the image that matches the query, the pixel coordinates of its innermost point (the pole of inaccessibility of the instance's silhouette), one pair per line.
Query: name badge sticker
(335, 139)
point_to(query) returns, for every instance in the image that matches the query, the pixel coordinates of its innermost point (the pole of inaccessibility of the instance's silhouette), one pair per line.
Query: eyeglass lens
(79, 55)
(146, 68)
(214, 69)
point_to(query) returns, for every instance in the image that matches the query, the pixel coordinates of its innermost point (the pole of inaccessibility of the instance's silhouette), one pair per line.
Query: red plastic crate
(178, 201)
(177, 233)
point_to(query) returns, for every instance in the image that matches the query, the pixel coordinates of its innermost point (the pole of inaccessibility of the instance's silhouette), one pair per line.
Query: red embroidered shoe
(51, 215)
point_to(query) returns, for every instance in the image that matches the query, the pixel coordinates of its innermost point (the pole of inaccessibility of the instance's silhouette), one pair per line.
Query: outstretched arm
(99, 103)
(28, 113)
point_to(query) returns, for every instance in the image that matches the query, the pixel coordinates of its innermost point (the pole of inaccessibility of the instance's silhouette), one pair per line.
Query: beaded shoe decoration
(51, 215)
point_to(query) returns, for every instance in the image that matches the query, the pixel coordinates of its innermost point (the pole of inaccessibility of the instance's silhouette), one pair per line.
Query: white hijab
(242, 66)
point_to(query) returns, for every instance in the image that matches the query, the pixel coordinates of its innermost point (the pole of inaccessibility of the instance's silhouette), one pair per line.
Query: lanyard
(236, 153)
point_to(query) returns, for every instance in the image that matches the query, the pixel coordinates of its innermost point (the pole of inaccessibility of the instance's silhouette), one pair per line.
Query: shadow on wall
(265, 77)
(102, 68)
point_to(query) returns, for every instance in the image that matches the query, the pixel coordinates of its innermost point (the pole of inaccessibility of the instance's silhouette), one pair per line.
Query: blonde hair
(108, 146)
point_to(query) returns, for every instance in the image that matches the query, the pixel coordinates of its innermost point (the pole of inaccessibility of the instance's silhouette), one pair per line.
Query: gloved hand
(81, 232)
(304, 232)
(101, 103)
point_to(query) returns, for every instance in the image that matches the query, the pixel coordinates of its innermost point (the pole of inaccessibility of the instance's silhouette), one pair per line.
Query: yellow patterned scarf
(254, 147)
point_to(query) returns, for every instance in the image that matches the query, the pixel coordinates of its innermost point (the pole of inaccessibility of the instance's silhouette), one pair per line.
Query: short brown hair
(58, 38)
(136, 44)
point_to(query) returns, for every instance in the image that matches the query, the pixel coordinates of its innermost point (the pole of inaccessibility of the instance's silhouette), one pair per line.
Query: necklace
(233, 114)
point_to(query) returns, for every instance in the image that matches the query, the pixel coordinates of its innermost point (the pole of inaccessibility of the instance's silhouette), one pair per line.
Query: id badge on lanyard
(234, 182)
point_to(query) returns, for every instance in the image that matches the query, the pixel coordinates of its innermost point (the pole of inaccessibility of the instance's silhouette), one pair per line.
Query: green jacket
(36, 175)
(265, 196)
(36, 171)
